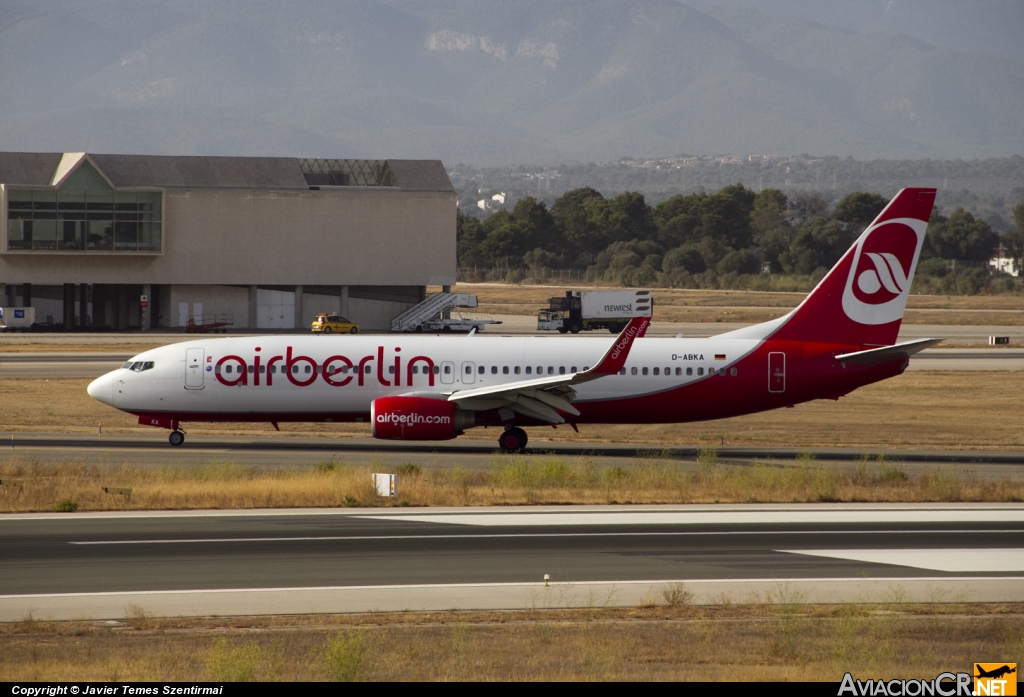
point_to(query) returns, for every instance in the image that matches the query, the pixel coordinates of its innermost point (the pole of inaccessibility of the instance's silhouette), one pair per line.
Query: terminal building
(123, 242)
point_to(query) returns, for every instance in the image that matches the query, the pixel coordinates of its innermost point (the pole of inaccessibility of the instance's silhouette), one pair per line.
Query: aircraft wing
(542, 398)
(886, 353)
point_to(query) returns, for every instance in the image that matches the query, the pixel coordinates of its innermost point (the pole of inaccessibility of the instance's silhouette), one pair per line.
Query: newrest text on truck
(595, 309)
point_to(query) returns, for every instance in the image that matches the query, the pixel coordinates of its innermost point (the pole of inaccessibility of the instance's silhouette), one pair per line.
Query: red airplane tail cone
(861, 300)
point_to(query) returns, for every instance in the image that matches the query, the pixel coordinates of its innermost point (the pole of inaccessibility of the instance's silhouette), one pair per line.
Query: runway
(104, 565)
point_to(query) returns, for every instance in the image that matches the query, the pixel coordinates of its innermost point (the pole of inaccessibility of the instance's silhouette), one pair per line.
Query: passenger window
(679, 371)
(249, 370)
(481, 370)
(415, 370)
(469, 370)
(572, 369)
(540, 370)
(633, 370)
(366, 369)
(344, 369)
(551, 370)
(668, 371)
(585, 368)
(561, 370)
(645, 371)
(732, 372)
(516, 370)
(447, 370)
(391, 370)
(505, 370)
(494, 370)
(263, 369)
(700, 371)
(622, 372)
(308, 370)
(529, 370)
(216, 370)
(436, 370)
(273, 370)
(657, 371)
(227, 368)
(689, 371)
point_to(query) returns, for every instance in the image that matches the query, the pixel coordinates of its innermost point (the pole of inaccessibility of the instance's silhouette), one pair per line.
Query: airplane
(428, 388)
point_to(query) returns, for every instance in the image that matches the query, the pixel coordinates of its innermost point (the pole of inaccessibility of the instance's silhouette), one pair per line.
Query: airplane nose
(102, 388)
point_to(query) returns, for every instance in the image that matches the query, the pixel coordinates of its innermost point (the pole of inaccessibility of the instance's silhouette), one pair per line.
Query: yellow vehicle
(328, 324)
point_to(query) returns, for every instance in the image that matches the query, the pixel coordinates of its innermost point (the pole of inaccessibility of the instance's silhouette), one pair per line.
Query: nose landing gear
(513, 440)
(176, 438)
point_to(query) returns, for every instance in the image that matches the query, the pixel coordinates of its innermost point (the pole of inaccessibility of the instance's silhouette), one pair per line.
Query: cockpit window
(148, 365)
(126, 366)
(139, 366)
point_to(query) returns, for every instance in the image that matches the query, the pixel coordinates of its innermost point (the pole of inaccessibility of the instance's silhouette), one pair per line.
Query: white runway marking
(488, 536)
(951, 560)
(731, 517)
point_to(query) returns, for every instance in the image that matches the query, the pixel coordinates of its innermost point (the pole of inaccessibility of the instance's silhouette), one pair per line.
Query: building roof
(202, 172)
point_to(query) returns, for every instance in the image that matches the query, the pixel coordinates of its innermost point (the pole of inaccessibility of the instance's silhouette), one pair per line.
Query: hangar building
(267, 242)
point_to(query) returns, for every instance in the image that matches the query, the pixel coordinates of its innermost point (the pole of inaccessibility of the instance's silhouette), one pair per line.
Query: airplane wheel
(513, 440)
(327, 330)
(176, 438)
(574, 328)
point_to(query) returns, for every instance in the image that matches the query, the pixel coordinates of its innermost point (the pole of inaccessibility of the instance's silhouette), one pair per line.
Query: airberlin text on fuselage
(336, 371)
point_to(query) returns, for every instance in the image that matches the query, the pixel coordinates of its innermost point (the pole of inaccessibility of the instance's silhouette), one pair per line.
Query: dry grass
(510, 480)
(759, 641)
(72, 345)
(926, 409)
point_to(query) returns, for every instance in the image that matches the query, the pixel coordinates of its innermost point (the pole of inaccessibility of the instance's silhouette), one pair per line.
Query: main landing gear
(176, 438)
(513, 440)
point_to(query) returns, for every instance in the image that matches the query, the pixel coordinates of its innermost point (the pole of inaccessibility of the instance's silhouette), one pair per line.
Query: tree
(685, 258)
(806, 205)
(469, 233)
(772, 231)
(631, 217)
(581, 215)
(1013, 241)
(860, 208)
(962, 237)
(819, 243)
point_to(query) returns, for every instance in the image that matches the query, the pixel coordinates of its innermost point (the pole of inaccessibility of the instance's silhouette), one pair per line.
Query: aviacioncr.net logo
(882, 271)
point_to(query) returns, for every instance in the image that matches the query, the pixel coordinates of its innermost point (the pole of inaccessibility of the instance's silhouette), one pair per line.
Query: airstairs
(434, 306)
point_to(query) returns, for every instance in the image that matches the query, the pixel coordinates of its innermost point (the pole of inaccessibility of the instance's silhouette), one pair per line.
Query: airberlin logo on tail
(882, 269)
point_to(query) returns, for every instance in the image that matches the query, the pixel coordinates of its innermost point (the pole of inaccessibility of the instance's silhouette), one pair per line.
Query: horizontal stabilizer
(886, 353)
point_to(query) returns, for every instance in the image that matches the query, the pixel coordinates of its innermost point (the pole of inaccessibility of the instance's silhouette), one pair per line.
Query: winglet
(615, 358)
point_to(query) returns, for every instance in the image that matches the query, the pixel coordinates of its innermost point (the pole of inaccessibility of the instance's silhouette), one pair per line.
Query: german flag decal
(719, 356)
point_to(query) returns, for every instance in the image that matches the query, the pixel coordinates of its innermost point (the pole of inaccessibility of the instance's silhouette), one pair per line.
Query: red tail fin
(861, 300)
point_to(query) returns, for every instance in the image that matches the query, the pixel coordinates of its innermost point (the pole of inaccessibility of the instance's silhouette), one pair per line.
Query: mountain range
(500, 82)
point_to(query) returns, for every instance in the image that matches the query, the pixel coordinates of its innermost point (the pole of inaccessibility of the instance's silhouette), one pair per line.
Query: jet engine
(418, 418)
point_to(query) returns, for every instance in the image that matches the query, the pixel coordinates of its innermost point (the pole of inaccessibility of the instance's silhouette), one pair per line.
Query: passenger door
(447, 372)
(194, 367)
(777, 372)
(468, 373)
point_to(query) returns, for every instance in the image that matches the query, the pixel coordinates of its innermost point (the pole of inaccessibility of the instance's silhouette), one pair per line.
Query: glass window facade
(76, 219)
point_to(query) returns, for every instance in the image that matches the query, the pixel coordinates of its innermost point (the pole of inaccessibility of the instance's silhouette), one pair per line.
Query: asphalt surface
(959, 548)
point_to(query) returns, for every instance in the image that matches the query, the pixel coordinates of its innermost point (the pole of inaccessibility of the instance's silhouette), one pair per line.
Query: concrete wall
(370, 315)
(350, 236)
